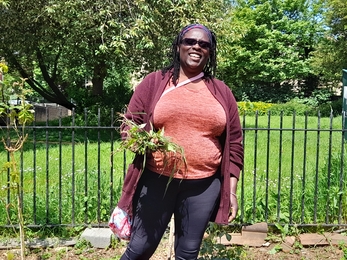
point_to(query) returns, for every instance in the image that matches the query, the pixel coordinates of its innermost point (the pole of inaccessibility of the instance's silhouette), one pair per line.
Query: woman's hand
(234, 206)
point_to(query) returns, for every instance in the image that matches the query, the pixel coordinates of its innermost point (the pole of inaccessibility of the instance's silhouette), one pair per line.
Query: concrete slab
(322, 239)
(37, 243)
(261, 227)
(313, 239)
(336, 239)
(98, 237)
(253, 235)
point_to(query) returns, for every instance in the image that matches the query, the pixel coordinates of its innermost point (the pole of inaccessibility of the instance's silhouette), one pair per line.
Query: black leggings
(192, 203)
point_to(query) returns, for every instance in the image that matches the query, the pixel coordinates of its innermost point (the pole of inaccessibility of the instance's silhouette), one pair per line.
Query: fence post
(344, 105)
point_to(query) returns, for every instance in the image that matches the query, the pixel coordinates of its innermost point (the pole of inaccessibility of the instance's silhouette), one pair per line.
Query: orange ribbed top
(194, 119)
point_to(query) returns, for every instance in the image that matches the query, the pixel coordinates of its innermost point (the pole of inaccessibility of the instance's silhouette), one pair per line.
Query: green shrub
(288, 109)
(250, 108)
(334, 106)
(298, 106)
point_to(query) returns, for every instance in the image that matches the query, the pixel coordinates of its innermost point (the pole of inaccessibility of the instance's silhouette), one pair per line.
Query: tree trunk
(100, 72)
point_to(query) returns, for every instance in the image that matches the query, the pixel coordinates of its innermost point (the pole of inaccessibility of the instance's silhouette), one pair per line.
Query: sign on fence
(344, 105)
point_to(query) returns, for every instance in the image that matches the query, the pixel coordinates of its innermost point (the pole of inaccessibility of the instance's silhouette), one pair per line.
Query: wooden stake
(171, 237)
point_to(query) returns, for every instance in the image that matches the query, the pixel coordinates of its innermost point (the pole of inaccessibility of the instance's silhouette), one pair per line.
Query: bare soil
(247, 253)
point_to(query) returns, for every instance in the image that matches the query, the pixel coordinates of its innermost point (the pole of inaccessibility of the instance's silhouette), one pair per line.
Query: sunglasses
(192, 42)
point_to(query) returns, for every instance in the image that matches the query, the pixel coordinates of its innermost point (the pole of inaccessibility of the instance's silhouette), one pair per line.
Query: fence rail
(72, 173)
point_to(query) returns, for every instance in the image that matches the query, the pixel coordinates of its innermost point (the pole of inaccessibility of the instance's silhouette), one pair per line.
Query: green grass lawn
(290, 176)
(68, 183)
(294, 176)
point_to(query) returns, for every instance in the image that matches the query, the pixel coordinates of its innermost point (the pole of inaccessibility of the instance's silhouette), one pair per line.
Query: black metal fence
(72, 171)
(294, 171)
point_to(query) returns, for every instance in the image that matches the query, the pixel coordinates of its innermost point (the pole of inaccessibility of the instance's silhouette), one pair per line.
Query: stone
(313, 240)
(336, 239)
(286, 248)
(253, 235)
(98, 237)
(289, 240)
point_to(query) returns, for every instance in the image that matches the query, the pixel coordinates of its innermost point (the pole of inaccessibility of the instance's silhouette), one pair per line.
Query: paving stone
(289, 240)
(37, 243)
(261, 227)
(336, 239)
(322, 239)
(98, 237)
(313, 239)
(10, 244)
(236, 239)
(287, 244)
(253, 235)
(286, 248)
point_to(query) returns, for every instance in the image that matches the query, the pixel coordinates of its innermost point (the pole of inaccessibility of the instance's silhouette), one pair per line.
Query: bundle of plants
(140, 141)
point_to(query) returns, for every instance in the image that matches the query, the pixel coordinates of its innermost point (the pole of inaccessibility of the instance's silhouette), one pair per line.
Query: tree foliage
(270, 48)
(65, 40)
(81, 52)
(59, 45)
(330, 56)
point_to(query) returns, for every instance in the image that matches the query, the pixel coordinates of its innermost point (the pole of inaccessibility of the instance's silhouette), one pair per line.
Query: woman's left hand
(234, 207)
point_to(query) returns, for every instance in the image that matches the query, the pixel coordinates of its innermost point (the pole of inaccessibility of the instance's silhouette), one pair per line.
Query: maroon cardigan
(140, 110)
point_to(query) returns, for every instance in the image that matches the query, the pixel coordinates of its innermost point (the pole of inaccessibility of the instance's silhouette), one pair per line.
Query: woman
(202, 117)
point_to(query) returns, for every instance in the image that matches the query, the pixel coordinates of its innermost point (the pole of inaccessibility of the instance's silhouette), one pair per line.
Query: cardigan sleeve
(138, 107)
(235, 140)
(234, 136)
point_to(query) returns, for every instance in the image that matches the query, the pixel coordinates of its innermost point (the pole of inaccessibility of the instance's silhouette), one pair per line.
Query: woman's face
(194, 52)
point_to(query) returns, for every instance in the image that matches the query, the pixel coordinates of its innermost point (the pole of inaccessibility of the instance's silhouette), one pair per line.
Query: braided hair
(174, 66)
